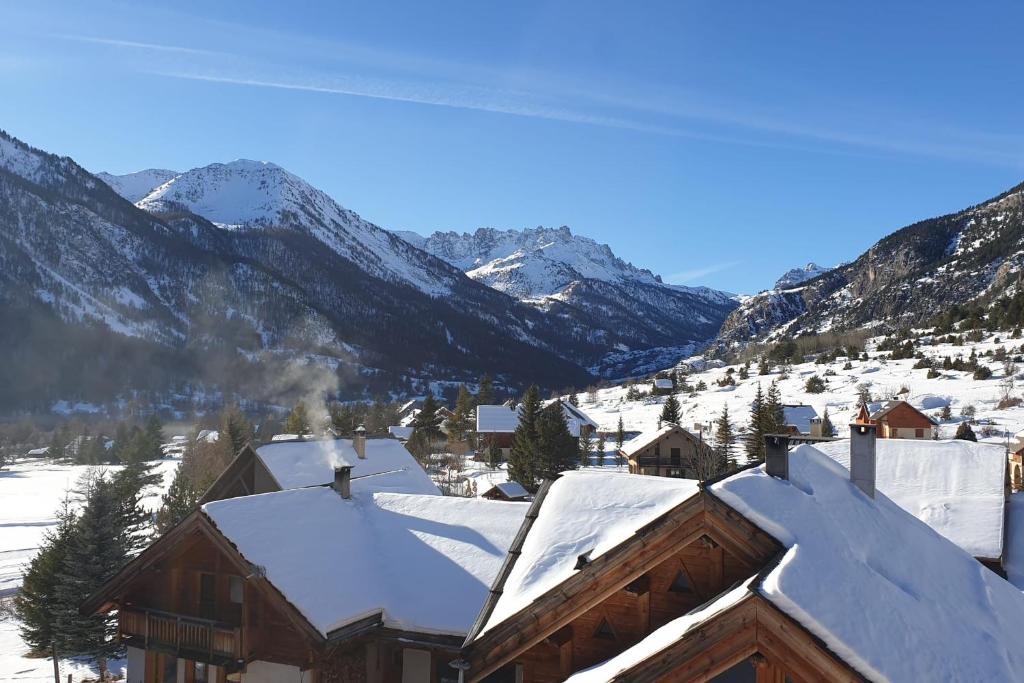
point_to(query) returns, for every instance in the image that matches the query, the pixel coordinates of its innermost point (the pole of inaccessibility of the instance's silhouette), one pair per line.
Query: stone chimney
(862, 457)
(359, 442)
(776, 455)
(343, 480)
(816, 425)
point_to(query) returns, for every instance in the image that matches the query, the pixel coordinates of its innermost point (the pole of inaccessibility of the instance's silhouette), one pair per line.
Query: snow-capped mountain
(904, 279)
(798, 276)
(580, 280)
(135, 186)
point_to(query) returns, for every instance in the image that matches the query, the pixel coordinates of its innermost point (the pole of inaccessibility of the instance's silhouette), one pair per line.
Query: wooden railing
(180, 633)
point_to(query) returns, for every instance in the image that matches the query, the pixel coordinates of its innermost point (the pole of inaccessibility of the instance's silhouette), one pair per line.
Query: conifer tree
(96, 550)
(427, 422)
(460, 423)
(826, 425)
(586, 450)
(573, 398)
(620, 434)
(485, 395)
(523, 458)
(775, 418)
(298, 420)
(556, 448)
(762, 367)
(179, 501)
(670, 411)
(602, 445)
(235, 431)
(59, 443)
(36, 603)
(725, 439)
(755, 430)
(965, 432)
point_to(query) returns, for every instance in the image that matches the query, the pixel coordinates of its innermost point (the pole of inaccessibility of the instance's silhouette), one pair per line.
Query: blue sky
(714, 143)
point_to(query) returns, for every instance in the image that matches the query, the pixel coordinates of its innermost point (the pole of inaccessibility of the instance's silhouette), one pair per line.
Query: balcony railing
(201, 638)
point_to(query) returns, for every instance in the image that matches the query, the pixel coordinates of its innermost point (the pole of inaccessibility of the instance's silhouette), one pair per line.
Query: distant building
(662, 386)
(800, 419)
(508, 491)
(667, 452)
(495, 426)
(399, 432)
(898, 420)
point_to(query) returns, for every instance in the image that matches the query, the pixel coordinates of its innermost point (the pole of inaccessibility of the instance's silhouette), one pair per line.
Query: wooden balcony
(189, 637)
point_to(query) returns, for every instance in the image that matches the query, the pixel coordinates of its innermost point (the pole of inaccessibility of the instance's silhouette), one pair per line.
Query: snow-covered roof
(660, 638)
(424, 562)
(388, 466)
(505, 419)
(663, 384)
(886, 408)
(400, 431)
(36, 452)
(583, 512)
(496, 419)
(799, 417)
(955, 487)
(892, 598)
(512, 489)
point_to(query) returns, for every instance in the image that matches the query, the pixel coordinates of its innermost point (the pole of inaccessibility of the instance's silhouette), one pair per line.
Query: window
(657, 449)
(680, 584)
(236, 589)
(605, 631)
(207, 596)
(168, 669)
(919, 433)
(675, 456)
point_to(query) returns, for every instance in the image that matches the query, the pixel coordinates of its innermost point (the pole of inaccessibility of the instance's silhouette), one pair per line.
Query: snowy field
(31, 491)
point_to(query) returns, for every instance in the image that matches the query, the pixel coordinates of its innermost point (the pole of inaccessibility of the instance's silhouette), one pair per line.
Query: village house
(801, 419)
(667, 452)
(495, 425)
(385, 464)
(324, 584)
(790, 571)
(662, 386)
(507, 490)
(898, 420)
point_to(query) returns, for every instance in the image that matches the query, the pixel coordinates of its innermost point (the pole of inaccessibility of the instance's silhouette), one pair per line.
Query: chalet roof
(295, 464)
(583, 513)
(889, 596)
(423, 563)
(400, 431)
(956, 487)
(645, 439)
(663, 383)
(799, 416)
(504, 419)
(882, 411)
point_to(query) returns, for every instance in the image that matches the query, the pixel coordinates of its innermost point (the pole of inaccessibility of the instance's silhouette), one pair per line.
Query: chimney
(359, 442)
(816, 423)
(343, 480)
(776, 455)
(862, 457)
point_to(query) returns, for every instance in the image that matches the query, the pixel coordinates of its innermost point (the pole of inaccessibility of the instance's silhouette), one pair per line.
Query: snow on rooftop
(400, 431)
(799, 417)
(493, 419)
(886, 593)
(660, 638)
(956, 487)
(388, 466)
(512, 489)
(426, 562)
(583, 512)
(663, 384)
(638, 442)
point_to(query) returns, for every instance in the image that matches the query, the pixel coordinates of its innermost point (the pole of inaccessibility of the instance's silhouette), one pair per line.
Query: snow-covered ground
(31, 491)
(885, 378)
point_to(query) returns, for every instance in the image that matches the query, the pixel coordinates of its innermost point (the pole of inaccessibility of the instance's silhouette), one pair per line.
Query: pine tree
(965, 432)
(762, 367)
(59, 443)
(485, 395)
(620, 435)
(427, 423)
(298, 420)
(826, 425)
(130, 486)
(586, 450)
(523, 459)
(556, 448)
(573, 398)
(755, 430)
(179, 501)
(36, 604)
(96, 550)
(670, 411)
(235, 431)
(602, 445)
(460, 423)
(725, 439)
(154, 438)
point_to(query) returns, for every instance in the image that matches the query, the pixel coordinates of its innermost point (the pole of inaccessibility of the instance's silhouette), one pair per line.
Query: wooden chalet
(668, 580)
(667, 452)
(507, 490)
(899, 420)
(496, 424)
(384, 464)
(310, 585)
